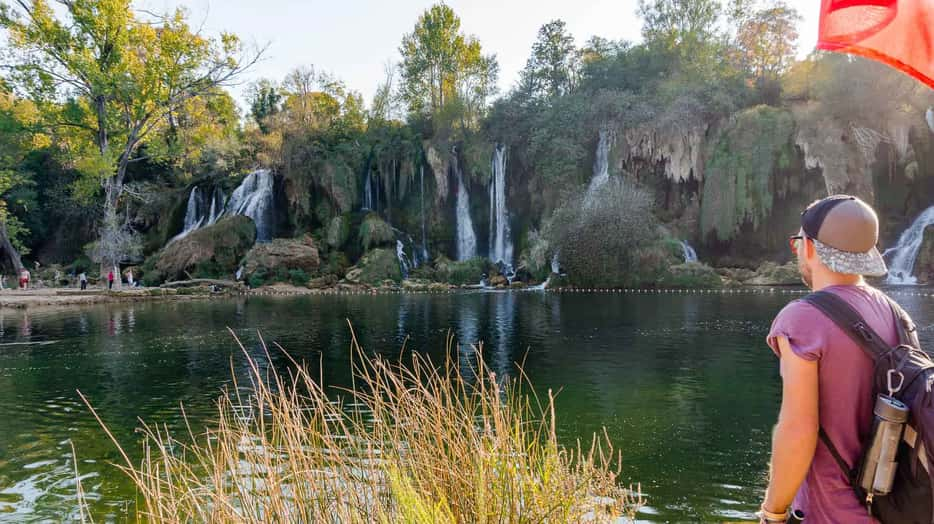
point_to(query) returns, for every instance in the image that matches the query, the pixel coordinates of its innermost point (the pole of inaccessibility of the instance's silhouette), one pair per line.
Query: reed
(411, 441)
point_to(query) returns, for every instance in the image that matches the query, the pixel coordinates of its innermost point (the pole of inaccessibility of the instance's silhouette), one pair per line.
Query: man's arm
(795, 437)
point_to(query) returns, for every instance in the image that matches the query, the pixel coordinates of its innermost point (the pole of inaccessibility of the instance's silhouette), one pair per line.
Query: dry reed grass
(413, 442)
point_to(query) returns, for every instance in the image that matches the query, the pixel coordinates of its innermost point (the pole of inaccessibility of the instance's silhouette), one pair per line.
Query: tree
(17, 137)
(675, 23)
(768, 40)
(265, 99)
(555, 62)
(441, 64)
(123, 76)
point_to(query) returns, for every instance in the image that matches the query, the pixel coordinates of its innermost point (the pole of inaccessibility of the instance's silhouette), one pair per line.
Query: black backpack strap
(850, 322)
(847, 470)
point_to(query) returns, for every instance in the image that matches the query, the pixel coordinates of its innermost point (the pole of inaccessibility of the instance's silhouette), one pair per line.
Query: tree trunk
(10, 252)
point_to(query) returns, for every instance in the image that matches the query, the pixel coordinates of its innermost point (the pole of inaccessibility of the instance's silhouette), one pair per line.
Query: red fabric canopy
(897, 32)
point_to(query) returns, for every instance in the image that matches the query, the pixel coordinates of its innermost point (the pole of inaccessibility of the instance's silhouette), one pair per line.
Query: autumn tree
(123, 76)
(554, 65)
(768, 40)
(265, 100)
(441, 66)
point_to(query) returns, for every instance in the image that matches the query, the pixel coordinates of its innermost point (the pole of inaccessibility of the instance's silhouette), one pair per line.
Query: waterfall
(421, 198)
(368, 192)
(404, 264)
(466, 238)
(193, 218)
(905, 252)
(217, 205)
(254, 198)
(500, 241)
(689, 254)
(601, 167)
(555, 264)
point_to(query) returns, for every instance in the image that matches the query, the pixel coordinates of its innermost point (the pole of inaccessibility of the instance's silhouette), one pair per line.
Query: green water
(683, 382)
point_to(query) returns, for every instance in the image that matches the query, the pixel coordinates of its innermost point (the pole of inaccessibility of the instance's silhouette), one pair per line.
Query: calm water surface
(683, 382)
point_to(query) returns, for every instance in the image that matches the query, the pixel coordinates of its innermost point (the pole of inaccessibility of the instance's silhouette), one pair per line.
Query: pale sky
(354, 39)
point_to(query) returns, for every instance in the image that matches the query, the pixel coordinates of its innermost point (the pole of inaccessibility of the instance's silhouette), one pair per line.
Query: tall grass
(411, 442)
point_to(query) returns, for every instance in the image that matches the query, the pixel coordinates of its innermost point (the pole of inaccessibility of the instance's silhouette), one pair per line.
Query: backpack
(905, 372)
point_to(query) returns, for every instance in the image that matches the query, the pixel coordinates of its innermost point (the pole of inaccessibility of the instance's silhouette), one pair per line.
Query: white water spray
(500, 237)
(254, 198)
(905, 252)
(601, 167)
(689, 254)
(466, 238)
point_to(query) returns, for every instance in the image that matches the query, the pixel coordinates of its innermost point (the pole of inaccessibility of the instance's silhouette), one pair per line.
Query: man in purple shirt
(826, 377)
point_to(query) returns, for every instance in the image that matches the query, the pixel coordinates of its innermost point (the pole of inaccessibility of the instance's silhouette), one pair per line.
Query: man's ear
(809, 250)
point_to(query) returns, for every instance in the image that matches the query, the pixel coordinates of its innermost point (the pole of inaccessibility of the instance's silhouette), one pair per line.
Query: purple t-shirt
(845, 376)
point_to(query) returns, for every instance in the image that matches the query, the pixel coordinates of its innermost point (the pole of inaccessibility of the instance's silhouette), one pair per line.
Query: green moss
(338, 231)
(461, 273)
(742, 161)
(378, 265)
(375, 232)
(298, 277)
(691, 275)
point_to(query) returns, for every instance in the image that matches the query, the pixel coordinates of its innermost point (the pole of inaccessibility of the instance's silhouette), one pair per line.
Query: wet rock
(322, 282)
(692, 275)
(217, 248)
(282, 253)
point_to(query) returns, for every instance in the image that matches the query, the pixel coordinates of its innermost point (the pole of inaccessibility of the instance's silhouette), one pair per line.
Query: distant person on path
(83, 279)
(110, 279)
(827, 378)
(24, 279)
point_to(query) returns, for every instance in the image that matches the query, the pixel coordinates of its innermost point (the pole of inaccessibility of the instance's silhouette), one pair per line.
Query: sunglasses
(793, 242)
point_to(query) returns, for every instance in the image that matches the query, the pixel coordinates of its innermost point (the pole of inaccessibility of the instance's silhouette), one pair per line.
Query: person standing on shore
(827, 380)
(110, 279)
(24, 279)
(83, 279)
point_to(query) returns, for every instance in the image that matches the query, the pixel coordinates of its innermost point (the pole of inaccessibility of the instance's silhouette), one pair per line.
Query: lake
(683, 382)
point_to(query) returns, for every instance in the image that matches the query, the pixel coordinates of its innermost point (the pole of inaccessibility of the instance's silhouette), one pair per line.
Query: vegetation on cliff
(710, 118)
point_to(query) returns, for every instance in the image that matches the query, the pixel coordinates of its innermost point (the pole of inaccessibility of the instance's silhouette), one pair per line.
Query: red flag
(897, 32)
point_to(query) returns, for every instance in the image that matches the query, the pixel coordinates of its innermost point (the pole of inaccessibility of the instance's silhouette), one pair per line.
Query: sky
(355, 39)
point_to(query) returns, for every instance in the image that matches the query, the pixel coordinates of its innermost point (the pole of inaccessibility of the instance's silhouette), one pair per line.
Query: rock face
(691, 275)
(439, 168)
(768, 274)
(291, 253)
(216, 250)
(924, 264)
(375, 267)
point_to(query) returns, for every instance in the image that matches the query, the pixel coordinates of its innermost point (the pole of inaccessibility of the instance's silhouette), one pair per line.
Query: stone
(375, 267)
(285, 253)
(772, 274)
(217, 248)
(498, 281)
(692, 275)
(322, 282)
(924, 263)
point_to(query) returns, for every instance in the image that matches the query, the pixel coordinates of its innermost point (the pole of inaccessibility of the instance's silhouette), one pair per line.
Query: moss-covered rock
(924, 263)
(375, 267)
(375, 232)
(772, 274)
(283, 254)
(212, 251)
(461, 273)
(691, 275)
(338, 231)
(742, 160)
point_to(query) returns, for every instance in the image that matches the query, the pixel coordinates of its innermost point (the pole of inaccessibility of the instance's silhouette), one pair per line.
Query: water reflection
(683, 383)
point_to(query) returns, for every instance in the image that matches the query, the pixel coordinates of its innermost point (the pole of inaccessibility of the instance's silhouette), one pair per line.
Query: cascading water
(255, 198)
(466, 238)
(217, 205)
(421, 200)
(905, 252)
(601, 167)
(404, 264)
(689, 254)
(500, 241)
(193, 218)
(555, 265)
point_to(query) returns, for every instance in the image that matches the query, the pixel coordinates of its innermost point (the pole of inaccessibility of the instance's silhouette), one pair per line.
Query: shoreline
(43, 297)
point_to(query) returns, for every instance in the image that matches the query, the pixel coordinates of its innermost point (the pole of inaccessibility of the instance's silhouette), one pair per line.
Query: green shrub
(298, 277)
(258, 278)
